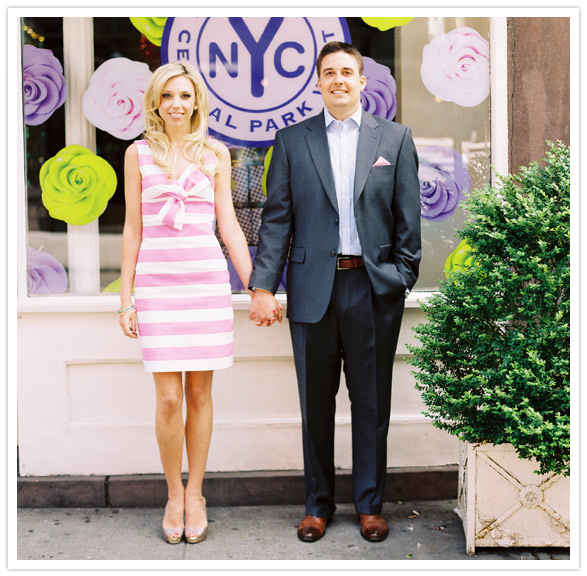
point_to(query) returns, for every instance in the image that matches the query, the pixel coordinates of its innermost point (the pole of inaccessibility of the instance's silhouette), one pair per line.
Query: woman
(176, 181)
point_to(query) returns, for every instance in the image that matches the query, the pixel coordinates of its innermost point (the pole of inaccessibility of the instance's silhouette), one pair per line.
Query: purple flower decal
(378, 97)
(444, 181)
(113, 101)
(237, 286)
(455, 67)
(43, 84)
(46, 275)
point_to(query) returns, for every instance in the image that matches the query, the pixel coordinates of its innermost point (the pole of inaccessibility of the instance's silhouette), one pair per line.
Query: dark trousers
(358, 334)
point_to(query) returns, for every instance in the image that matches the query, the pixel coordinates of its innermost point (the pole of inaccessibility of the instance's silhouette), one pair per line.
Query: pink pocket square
(381, 161)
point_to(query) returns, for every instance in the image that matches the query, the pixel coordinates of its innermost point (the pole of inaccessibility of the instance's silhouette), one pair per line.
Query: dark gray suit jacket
(302, 208)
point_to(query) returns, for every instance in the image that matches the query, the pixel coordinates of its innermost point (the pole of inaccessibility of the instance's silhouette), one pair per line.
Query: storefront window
(443, 91)
(77, 236)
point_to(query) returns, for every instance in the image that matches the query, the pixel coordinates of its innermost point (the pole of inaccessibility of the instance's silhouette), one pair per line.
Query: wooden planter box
(503, 503)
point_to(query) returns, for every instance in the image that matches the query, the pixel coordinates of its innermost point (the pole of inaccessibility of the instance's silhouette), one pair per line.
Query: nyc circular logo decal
(260, 72)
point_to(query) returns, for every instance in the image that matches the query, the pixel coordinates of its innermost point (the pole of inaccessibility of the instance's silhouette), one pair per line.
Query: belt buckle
(338, 259)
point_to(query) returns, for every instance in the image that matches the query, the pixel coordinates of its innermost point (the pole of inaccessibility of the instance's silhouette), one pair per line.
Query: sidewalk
(419, 530)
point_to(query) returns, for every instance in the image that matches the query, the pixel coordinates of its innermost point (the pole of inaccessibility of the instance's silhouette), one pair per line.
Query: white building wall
(86, 406)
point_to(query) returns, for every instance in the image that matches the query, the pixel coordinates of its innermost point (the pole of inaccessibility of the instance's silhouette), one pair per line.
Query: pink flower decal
(444, 181)
(113, 101)
(43, 84)
(455, 67)
(378, 97)
(46, 275)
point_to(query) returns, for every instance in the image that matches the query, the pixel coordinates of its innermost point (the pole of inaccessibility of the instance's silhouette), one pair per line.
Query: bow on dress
(190, 184)
(173, 211)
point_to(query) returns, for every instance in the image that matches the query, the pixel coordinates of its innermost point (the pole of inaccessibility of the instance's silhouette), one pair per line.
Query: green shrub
(493, 356)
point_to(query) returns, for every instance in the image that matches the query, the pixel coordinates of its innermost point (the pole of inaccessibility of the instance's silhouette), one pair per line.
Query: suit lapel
(319, 151)
(369, 136)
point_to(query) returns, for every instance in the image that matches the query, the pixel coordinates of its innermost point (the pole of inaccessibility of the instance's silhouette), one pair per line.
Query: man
(343, 201)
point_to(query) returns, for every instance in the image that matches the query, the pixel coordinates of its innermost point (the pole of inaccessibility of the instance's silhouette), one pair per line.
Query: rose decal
(455, 67)
(235, 283)
(378, 97)
(114, 286)
(152, 28)
(46, 275)
(76, 185)
(384, 24)
(444, 181)
(266, 163)
(113, 101)
(43, 84)
(460, 258)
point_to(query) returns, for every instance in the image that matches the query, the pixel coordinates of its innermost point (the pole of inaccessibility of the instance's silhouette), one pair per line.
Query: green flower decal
(76, 185)
(386, 23)
(114, 286)
(152, 28)
(461, 257)
(265, 168)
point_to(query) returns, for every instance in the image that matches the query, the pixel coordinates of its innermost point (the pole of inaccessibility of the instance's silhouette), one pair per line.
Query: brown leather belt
(349, 262)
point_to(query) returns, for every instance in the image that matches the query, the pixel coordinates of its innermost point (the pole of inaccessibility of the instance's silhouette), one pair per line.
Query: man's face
(341, 84)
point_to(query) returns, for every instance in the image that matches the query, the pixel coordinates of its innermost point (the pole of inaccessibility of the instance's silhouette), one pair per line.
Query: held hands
(127, 318)
(265, 308)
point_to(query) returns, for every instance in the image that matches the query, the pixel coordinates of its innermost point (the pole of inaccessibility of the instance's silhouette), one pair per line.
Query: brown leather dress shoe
(312, 528)
(373, 527)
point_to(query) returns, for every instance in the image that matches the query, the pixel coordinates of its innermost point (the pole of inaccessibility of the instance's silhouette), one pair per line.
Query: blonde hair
(197, 143)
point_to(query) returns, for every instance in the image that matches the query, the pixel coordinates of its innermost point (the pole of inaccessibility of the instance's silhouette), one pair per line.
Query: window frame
(83, 241)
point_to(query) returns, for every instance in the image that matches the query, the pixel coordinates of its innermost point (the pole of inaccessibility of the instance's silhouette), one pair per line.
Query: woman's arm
(230, 230)
(131, 237)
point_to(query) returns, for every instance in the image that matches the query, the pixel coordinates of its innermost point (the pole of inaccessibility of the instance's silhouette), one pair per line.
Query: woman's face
(177, 102)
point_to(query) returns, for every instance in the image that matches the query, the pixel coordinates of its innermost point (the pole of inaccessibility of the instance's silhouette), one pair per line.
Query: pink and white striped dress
(182, 290)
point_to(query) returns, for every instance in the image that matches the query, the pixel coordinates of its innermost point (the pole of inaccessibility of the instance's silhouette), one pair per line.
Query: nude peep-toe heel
(199, 534)
(171, 535)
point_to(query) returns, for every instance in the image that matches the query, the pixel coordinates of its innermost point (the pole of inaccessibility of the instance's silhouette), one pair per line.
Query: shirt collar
(356, 117)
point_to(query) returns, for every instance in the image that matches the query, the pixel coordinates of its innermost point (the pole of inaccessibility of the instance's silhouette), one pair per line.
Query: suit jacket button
(333, 253)
(336, 221)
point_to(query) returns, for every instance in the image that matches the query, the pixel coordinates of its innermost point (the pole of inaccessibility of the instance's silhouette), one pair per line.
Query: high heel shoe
(171, 535)
(199, 534)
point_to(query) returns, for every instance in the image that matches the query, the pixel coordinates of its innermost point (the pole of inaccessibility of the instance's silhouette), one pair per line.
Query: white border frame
(16, 177)
(13, 252)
